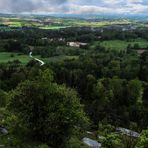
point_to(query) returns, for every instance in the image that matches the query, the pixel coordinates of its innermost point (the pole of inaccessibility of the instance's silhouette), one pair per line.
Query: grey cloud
(73, 6)
(27, 5)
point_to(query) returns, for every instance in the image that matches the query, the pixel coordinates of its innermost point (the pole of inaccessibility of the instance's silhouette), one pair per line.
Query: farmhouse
(76, 44)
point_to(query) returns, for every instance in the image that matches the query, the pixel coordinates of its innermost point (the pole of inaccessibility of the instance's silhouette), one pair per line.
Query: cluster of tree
(86, 34)
(111, 86)
(52, 104)
(41, 110)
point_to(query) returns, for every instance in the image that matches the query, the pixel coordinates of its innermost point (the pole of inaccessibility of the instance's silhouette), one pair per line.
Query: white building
(76, 44)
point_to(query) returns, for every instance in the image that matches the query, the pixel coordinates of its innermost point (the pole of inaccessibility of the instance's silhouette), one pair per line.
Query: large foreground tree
(47, 110)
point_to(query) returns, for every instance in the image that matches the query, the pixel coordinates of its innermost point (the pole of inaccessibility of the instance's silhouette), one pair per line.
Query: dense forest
(90, 94)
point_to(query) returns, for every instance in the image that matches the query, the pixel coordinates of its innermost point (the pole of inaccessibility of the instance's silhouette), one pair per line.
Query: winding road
(40, 61)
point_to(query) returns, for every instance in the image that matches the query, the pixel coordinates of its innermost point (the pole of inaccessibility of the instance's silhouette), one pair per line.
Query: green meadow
(54, 27)
(9, 56)
(81, 23)
(120, 45)
(24, 59)
(6, 57)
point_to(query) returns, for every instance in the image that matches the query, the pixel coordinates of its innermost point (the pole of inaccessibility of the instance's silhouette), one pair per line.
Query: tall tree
(48, 110)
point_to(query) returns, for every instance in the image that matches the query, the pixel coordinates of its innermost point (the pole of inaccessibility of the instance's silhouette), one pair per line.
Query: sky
(74, 6)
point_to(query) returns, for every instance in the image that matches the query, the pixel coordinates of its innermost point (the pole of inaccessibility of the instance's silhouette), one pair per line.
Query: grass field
(121, 45)
(7, 56)
(54, 27)
(24, 59)
(97, 24)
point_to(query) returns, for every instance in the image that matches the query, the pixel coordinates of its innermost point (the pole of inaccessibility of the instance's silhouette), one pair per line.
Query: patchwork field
(58, 23)
(97, 23)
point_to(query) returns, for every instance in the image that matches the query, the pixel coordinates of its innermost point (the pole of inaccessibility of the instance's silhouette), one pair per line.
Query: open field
(121, 45)
(54, 27)
(97, 23)
(24, 59)
(6, 57)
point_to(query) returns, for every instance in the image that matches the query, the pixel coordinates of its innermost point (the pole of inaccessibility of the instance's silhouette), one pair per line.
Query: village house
(76, 44)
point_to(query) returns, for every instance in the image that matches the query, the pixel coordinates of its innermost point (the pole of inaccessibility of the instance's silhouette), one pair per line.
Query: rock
(128, 132)
(91, 143)
(3, 131)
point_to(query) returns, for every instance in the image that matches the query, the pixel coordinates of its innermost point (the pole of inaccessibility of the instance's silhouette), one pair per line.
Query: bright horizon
(74, 6)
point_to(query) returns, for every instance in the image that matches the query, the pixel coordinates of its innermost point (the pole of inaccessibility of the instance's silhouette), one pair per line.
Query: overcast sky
(74, 6)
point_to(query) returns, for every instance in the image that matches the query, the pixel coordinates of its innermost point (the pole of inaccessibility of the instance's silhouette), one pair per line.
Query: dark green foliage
(44, 108)
(13, 46)
(49, 111)
(143, 141)
(112, 141)
(3, 98)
